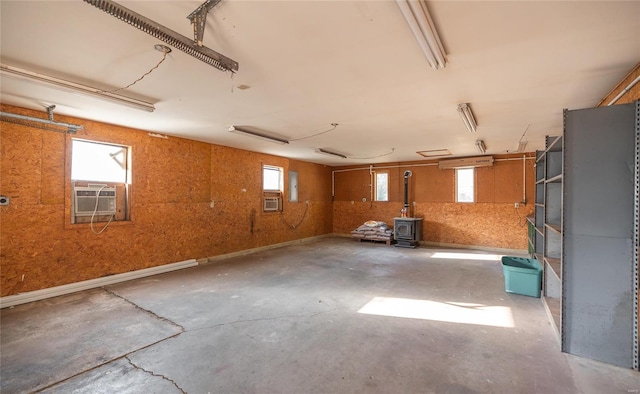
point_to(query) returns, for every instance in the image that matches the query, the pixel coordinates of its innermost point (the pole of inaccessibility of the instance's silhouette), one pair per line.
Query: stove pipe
(407, 175)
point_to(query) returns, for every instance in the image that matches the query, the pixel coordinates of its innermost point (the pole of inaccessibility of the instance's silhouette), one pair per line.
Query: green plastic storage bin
(522, 276)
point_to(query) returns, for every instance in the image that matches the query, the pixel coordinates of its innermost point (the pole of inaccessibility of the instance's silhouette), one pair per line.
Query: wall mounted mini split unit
(466, 162)
(271, 204)
(85, 200)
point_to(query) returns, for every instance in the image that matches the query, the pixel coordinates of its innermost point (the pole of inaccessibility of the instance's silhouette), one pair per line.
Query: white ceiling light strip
(467, 117)
(257, 134)
(76, 87)
(421, 25)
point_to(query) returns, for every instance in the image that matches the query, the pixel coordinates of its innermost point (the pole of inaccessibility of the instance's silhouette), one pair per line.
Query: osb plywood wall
(629, 93)
(492, 221)
(174, 182)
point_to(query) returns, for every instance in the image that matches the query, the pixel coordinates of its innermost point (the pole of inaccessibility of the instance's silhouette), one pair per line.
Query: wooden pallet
(386, 241)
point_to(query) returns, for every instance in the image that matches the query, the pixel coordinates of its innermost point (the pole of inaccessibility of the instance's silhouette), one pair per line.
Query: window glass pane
(92, 161)
(382, 187)
(271, 178)
(464, 185)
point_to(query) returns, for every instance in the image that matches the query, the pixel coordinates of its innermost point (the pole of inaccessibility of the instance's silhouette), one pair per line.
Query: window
(272, 184)
(93, 161)
(382, 186)
(271, 178)
(465, 182)
(100, 176)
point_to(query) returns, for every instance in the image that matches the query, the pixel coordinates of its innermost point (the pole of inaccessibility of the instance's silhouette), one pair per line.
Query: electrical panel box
(86, 198)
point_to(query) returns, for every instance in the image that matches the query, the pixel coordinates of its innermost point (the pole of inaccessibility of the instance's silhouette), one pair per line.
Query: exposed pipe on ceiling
(373, 168)
(625, 90)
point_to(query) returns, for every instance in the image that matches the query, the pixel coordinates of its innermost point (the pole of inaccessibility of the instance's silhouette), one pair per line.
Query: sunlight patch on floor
(466, 256)
(452, 312)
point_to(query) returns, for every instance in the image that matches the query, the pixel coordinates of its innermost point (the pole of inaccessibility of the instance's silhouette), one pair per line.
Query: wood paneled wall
(174, 182)
(492, 221)
(630, 95)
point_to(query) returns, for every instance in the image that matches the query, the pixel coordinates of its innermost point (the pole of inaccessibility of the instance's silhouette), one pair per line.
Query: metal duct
(167, 35)
(39, 123)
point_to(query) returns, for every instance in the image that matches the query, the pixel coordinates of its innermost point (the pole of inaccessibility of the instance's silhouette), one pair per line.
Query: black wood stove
(407, 230)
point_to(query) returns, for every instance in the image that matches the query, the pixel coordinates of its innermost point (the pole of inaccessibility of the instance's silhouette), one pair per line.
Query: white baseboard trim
(37, 295)
(263, 248)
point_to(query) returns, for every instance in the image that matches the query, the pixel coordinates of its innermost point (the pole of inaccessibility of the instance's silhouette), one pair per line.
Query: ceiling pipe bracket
(198, 19)
(166, 35)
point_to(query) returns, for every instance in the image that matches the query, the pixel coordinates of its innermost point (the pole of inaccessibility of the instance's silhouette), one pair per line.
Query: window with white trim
(465, 185)
(382, 186)
(100, 179)
(272, 187)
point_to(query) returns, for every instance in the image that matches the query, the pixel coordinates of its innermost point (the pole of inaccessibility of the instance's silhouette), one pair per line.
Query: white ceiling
(313, 63)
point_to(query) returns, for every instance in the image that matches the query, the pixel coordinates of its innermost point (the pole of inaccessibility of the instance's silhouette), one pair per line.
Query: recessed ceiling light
(434, 152)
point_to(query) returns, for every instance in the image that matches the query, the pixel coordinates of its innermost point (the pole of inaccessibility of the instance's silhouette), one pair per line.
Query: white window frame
(268, 192)
(463, 194)
(82, 178)
(280, 178)
(386, 186)
(123, 159)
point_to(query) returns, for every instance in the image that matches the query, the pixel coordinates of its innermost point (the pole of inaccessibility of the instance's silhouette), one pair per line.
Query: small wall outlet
(516, 205)
(212, 204)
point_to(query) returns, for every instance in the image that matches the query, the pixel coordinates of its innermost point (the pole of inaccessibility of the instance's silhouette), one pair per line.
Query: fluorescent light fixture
(467, 117)
(522, 145)
(251, 133)
(331, 153)
(481, 147)
(434, 152)
(421, 25)
(76, 87)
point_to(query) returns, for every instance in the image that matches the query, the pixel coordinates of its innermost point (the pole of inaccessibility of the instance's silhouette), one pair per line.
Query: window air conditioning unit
(466, 162)
(85, 200)
(271, 204)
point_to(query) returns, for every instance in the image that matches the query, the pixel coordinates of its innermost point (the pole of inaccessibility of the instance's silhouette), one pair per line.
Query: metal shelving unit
(547, 223)
(599, 262)
(585, 232)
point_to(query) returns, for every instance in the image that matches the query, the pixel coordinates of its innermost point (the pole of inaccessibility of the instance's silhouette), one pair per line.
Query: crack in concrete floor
(111, 292)
(155, 374)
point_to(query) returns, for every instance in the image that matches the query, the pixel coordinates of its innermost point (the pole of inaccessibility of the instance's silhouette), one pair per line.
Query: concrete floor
(332, 316)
